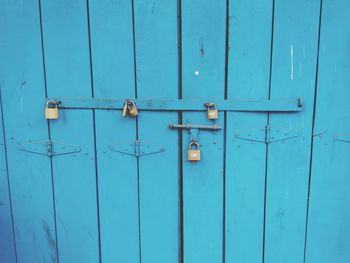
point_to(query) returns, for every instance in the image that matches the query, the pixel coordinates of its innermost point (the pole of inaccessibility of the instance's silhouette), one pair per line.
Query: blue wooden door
(95, 186)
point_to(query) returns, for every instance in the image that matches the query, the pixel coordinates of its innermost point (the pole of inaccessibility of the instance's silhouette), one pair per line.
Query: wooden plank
(7, 242)
(248, 77)
(203, 67)
(23, 92)
(293, 74)
(66, 48)
(328, 237)
(157, 77)
(113, 76)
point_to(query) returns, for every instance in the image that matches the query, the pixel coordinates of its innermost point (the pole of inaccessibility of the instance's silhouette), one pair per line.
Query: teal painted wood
(23, 92)
(248, 77)
(7, 241)
(328, 237)
(67, 64)
(114, 207)
(293, 74)
(203, 74)
(113, 76)
(156, 50)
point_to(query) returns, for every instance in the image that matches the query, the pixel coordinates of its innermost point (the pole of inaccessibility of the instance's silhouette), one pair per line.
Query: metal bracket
(267, 134)
(136, 148)
(49, 148)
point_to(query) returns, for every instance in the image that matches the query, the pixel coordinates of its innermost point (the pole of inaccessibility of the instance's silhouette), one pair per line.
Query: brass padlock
(132, 109)
(193, 154)
(125, 109)
(212, 111)
(51, 113)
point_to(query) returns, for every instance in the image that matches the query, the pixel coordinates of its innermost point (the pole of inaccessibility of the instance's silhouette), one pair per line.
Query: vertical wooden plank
(113, 75)
(23, 92)
(7, 242)
(203, 72)
(293, 75)
(328, 237)
(157, 77)
(248, 78)
(66, 48)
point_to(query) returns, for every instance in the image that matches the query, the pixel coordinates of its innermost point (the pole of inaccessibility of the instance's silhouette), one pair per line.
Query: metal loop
(210, 105)
(131, 103)
(52, 102)
(193, 143)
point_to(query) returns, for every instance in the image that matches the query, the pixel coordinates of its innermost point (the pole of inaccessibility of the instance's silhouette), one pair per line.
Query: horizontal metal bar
(289, 105)
(195, 126)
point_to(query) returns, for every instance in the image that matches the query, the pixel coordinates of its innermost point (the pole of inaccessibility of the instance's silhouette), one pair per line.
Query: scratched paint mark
(201, 48)
(21, 103)
(23, 83)
(153, 7)
(196, 73)
(50, 240)
(291, 62)
(280, 214)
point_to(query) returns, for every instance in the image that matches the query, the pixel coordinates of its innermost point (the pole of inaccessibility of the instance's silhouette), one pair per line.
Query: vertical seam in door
(137, 127)
(48, 129)
(179, 43)
(268, 122)
(227, 35)
(179, 133)
(8, 177)
(313, 128)
(94, 131)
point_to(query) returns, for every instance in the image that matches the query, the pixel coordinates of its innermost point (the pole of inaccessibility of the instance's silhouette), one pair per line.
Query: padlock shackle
(52, 102)
(193, 143)
(210, 105)
(131, 103)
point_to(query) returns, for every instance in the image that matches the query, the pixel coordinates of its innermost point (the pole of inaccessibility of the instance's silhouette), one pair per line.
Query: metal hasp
(241, 105)
(49, 148)
(136, 148)
(267, 134)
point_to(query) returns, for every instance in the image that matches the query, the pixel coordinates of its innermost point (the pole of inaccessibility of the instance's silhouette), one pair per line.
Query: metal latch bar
(189, 126)
(287, 105)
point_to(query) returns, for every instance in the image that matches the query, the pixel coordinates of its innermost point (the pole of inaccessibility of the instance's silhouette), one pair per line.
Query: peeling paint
(291, 62)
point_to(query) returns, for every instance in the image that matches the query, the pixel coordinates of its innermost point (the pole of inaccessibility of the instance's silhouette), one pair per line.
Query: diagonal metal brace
(342, 137)
(136, 148)
(267, 134)
(49, 148)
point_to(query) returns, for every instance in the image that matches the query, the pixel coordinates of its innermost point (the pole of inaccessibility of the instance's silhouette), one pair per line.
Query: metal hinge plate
(136, 148)
(267, 134)
(49, 148)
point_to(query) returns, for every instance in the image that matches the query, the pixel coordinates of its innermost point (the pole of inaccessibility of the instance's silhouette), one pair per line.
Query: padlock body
(125, 111)
(133, 112)
(212, 114)
(51, 113)
(193, 155)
